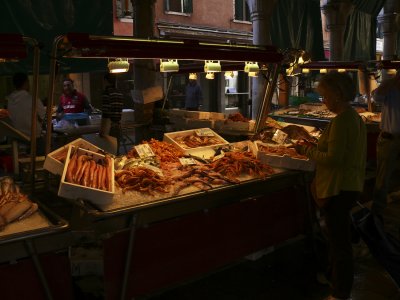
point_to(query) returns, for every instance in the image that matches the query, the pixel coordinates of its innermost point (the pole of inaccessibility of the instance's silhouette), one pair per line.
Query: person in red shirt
(72, 101)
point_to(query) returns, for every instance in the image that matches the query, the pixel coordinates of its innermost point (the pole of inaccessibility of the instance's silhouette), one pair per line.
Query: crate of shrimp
(88, 175)
(55, 161)
(281, 156)
(199, 142)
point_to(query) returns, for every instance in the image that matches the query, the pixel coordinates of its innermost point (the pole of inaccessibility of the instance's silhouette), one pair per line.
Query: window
(179, 6)
(124, 9)
(242, 11)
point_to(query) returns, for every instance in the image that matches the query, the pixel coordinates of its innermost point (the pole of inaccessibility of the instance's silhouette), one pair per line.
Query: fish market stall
(171, 210)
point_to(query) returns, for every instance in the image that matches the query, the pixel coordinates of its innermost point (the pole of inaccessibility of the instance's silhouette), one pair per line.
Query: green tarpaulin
(43, 20)
(297, 24)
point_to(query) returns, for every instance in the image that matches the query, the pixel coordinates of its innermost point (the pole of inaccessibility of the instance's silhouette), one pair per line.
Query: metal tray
(57, 224)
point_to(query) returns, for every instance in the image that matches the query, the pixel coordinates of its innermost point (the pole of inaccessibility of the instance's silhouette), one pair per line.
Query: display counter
(150, 246)
(372, 129)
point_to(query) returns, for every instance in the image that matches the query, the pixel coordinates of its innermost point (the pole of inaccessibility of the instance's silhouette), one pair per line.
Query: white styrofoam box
(217, 116)
(55, 166)
(284, 161)
(231, 125)
(197, 114)
(204, 152)
(194, 123)
(74, 191)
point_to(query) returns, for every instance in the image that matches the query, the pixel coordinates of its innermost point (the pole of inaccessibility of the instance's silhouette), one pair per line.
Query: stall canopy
(297, 24)
(360, 34)
(43, 20)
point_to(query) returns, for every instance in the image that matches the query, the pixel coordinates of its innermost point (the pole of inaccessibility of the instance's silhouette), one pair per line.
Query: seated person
(19, 104)
(72, 101)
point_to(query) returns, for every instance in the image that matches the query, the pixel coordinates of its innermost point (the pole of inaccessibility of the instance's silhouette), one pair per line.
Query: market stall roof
(12, 47)
(89, 46)
(388, 64)
(348, 65)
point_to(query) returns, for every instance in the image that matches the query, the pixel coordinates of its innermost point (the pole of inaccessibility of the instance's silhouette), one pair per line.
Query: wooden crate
(98, 197)
(55, 166)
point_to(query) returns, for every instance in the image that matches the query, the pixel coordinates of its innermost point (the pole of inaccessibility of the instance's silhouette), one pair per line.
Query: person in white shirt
(388, 144)
(19, 105)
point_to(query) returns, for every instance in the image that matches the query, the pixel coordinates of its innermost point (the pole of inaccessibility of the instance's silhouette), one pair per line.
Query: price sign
(186, 161)
(204, 132)
(279, 137)
(144, 150)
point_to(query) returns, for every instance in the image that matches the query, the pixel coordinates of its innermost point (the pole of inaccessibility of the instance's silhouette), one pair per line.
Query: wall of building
(122, 25)
(211, 13)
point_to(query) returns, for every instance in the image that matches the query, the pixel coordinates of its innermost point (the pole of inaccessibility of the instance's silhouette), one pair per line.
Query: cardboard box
(217, 116)
(148, 95)
(193, 124)
(55, 166)
(98, 197)
(143, 113)
(203, 152)
(199, 115)
(176, 113)
(179, 123)
(284, 161)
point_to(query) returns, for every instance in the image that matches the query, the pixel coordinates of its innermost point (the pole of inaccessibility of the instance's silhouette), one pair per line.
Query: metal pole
(166, 94)
(269, 90)
(128, 259)
(50, 97)
(35, 87)
(32, 252)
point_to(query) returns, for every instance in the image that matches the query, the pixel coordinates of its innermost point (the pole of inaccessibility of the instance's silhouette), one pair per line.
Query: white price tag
(186, 161)
(204, 132)
(279, 136)
(144, 150)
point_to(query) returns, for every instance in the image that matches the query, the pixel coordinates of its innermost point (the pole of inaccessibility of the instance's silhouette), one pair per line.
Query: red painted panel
(20, 280)
(169, 252)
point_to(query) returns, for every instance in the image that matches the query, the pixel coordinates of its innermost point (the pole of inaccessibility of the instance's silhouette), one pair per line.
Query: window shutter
(166, 5)
(188, 6)
(247, 18)
(238, 10)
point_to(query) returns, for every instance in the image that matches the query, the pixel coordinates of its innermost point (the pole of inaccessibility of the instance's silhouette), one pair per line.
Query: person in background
(19, 105)
(72, 101)
(112, 105)
(193, 94)
(340, 158)
(388, 144)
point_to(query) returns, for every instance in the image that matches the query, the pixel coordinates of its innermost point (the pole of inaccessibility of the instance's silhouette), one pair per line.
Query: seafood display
(281, 151)
(201, 176)
(14, 205)
(233, 164)
(237, 117)
(294, 132)
(165, 152)
(86, 170)
(142, 179)
(194, 140)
